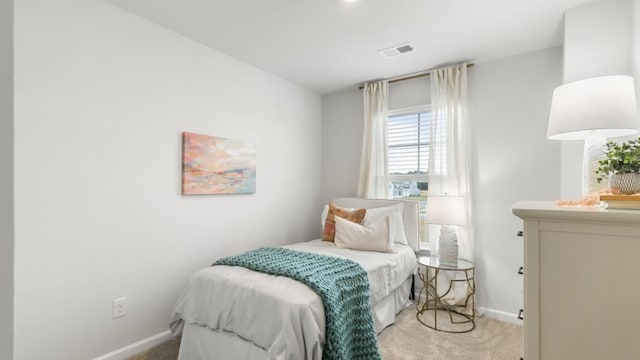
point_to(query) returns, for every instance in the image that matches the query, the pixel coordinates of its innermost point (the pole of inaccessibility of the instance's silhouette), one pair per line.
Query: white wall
(342, 126)
(410, 93)
(597, 42)
(635, 46)
(101, 99)
(513, 161)
(509, 105)
(6, 180)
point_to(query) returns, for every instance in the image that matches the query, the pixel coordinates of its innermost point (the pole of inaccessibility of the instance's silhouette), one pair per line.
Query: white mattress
(280, 315)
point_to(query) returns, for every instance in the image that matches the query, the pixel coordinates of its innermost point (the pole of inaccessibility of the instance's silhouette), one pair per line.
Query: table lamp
(592, 110)
(447, 210)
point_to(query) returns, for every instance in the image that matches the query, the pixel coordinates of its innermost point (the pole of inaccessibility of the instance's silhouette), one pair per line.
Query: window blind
(408, 145)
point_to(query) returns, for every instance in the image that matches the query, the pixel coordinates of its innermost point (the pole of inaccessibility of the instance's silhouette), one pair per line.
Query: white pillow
(398, 234)
(375, 237)
(396, 223)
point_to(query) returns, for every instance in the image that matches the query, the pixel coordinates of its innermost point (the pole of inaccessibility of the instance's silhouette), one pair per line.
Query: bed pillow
(375, 237)
(356, 216)
(396, 223)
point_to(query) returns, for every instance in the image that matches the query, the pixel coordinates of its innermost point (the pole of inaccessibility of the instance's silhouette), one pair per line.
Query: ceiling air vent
(397, 50)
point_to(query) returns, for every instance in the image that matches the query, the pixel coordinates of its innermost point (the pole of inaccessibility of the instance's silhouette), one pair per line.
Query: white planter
(626, 183)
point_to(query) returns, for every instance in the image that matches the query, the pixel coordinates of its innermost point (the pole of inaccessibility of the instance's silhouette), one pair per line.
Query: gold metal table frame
(461, 316)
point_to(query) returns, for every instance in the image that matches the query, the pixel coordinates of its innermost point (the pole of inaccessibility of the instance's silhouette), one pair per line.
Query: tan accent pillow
(355, 216)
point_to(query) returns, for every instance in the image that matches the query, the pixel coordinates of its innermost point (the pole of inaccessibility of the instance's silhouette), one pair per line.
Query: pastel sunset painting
(214, 165)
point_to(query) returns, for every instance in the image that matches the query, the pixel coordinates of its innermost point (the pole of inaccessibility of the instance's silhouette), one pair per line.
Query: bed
(230, 312)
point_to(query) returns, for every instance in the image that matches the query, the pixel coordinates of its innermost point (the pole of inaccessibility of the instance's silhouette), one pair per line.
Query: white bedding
(386, 271)
(278, 314)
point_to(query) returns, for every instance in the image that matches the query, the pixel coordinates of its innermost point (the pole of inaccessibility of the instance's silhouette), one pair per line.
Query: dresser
(581, 282)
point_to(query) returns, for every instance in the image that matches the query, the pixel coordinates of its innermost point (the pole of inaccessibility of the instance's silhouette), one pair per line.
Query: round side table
(457, 274)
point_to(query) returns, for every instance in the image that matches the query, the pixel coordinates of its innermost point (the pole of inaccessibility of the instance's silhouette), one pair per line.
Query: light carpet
(408, 339)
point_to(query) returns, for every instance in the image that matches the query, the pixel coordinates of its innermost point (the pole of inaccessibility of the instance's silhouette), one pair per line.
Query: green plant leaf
(621, 159)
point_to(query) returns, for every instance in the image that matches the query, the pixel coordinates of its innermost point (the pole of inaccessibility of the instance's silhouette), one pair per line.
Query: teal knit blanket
(343, 287)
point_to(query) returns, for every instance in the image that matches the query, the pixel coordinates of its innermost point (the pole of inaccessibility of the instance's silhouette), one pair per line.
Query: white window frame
(423, 234)
(406, 111)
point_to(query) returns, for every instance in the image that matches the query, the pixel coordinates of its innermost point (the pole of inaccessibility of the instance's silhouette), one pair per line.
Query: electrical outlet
(119, 307)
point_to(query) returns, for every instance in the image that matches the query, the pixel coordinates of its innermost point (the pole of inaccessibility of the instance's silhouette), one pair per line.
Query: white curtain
(372, 182)
(449, 149)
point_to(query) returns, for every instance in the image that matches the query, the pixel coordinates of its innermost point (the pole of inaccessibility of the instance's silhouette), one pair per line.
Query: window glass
(408, 135)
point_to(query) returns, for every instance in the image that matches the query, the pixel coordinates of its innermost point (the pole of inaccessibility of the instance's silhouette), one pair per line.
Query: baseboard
(500, 315)
(137, 347)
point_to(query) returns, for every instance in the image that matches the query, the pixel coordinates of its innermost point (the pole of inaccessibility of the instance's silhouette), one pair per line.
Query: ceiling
(327, 45)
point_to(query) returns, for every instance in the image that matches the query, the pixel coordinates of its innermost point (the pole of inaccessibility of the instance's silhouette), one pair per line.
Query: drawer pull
(521, 314)
(520, 233)
(521, 270)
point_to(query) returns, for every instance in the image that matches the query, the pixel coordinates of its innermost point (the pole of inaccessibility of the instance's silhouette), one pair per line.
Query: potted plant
(621, 166)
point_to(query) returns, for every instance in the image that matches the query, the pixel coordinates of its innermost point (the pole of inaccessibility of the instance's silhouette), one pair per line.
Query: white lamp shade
(446, 210)
(604, 106)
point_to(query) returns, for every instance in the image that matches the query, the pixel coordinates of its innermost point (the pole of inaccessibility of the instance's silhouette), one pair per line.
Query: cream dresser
(581, 282)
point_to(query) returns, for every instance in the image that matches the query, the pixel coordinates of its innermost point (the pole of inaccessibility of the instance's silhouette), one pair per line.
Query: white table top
(434, 262)
(549, 210)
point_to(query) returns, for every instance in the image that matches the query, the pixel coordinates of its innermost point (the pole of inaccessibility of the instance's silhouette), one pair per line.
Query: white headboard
(410, 214)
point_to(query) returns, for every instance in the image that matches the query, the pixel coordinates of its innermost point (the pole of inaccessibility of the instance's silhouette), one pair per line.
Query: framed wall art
(214, 165)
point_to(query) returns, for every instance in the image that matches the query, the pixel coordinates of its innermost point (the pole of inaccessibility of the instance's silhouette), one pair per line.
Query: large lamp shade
(446, 210)
(603, 106)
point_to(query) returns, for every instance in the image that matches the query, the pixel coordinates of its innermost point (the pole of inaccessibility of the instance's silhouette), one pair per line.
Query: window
(408, 135)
